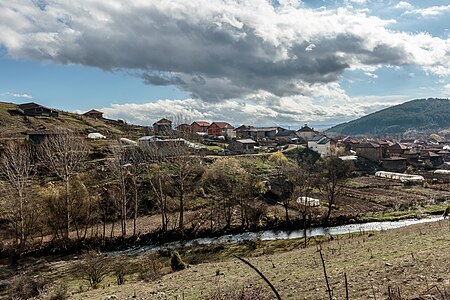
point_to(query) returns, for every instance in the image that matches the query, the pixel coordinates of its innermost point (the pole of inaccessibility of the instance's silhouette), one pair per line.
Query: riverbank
(413, 258)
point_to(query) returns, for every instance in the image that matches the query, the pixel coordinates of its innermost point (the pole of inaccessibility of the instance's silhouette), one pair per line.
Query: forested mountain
(422, 114)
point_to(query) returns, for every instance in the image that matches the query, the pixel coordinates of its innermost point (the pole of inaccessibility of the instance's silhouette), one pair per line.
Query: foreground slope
(423, 115)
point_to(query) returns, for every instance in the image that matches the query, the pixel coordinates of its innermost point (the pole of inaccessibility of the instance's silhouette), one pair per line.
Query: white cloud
(18, 95)
(329, 106)
(429, 11)
(215, 49)
(404, 5)
(447, 89)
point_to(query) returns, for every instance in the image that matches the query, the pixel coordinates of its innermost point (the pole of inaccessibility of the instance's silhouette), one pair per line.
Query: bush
(176, 262)
(94, 268)
(60, 292)
(153, 270)
(24, 287)
(120, 269)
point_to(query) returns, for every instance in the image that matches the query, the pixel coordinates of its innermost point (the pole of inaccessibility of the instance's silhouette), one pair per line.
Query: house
(33, 109)
(243, 146)
(369, 150)
(306, 132)
(243, 131)
(394, 164)
(185, 128)
(162, 127)
(157, 147)
(257, 133)
(94, 114)
(396, 149)
(39, 136)
(285, 136)
(321, 144)
(221, 129)
(200, 126)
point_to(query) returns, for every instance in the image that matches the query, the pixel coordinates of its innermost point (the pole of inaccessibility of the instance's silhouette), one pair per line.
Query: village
(223, 139)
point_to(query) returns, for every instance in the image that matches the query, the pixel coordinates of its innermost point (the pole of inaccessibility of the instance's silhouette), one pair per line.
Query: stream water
(270, 235)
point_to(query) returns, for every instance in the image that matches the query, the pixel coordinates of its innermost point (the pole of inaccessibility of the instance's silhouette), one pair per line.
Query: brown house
(307, 132)
(221, 129)
(186, 128)
(396, 149)
(394, 164)
(33, 109)
(369, 150)
(200, 126)
(162, 127)
(244, 146)
(93, 113)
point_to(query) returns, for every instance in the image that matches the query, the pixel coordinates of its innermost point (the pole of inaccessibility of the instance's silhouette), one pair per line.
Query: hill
(421, 115)
(14, 125)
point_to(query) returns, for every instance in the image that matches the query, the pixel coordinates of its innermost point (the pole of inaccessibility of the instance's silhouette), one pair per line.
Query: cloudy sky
(262, 62)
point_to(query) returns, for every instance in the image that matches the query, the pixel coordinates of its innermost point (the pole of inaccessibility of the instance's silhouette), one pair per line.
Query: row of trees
(52, 190)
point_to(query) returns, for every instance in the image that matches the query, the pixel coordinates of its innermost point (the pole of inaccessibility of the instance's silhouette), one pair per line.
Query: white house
(321, 144)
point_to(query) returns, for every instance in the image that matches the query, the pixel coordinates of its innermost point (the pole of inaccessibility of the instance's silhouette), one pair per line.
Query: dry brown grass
(414, 259)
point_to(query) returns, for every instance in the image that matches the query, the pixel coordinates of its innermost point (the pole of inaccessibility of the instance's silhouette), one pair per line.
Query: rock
(110, 297)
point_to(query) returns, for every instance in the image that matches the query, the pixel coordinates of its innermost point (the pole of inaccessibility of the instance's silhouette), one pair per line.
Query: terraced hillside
(13, 124)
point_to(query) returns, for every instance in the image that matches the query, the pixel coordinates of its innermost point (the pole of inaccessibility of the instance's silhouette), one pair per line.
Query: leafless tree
(282, 169)
(335, 172)
(16, 168)
(180, 166)
(304, 182)
(63, 154)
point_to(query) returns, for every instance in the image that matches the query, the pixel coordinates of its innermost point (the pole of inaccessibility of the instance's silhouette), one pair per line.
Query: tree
(123, 165)
(18, 207)
(335, 172)
(180, 166)
(282, 170)
(304, 183)
(63, 155)
(223, 180)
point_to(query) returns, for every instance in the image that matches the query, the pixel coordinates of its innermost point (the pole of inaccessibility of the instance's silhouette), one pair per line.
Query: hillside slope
(422, 114)
(13, 124)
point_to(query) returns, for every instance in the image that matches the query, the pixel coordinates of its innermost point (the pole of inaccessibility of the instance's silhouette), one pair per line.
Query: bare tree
(179, 165)
(158, 179)
(304, 183)
(124, 164)
(282, 170)
(16, 167)
(63, 155)
(335, 172)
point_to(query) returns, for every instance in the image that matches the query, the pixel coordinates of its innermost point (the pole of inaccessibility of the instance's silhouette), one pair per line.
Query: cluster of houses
(391, 154)
(397, 155)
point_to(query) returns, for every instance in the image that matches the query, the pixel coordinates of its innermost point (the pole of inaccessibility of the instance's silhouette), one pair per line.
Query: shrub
(60, 292)
(24, 286)
(176, 262)
(152, 270)
(94, 268)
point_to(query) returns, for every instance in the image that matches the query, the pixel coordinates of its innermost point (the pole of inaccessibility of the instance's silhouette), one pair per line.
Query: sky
(259, 62)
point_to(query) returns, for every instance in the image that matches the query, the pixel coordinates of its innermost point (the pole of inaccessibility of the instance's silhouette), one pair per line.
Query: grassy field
(414, 259)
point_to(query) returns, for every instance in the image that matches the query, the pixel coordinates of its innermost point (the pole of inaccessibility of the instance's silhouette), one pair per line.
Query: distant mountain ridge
(421, 114)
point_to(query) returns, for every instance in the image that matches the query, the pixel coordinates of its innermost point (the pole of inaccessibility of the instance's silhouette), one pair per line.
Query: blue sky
(282, 62)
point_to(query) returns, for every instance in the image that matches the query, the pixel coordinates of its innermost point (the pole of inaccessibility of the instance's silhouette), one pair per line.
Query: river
(270, 235)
